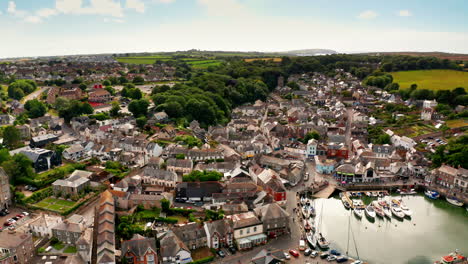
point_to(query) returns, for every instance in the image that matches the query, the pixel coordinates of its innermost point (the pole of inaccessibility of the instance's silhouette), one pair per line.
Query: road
(349, 123)
(35, 94)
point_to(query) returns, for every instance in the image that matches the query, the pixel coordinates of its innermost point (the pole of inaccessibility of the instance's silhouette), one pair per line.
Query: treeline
(457, 96)
(409, 63)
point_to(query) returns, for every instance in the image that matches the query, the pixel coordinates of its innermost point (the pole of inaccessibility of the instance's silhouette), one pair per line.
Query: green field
(431, 79)
(56, 205)
(457, 123)
(195, 62)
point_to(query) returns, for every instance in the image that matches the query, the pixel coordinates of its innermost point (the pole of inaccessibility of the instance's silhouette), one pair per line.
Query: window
(248, 230)
(241, 232)
(255, 229)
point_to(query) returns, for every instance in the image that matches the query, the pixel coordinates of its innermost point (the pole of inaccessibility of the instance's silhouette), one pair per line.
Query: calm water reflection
(435, 229)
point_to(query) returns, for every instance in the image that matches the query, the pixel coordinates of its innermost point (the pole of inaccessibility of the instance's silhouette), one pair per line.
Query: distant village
(111, 192)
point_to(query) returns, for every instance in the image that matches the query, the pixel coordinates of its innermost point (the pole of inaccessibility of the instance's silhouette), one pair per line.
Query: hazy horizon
(73, 27)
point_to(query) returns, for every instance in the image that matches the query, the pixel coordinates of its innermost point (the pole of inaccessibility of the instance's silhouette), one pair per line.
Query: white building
(42, 225)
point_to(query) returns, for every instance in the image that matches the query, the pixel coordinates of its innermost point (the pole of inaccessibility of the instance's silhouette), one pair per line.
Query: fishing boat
(432, 194)
(454, 201)
(397, 212)
(405, 209)
(322, 243)
(378, 209)
(358, 212)
(370, 211)
(452, 258)
(311, 239)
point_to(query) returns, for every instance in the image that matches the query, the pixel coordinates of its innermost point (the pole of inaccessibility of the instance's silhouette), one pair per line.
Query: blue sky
(61, 27)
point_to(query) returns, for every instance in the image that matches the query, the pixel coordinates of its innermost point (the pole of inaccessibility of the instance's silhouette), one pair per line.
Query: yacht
(311, 239)
(397, 212)
(378, 209)
(386, 209)
(405, 209)
(358, 212)
(432, 194)
(454, 201)
(370, 212)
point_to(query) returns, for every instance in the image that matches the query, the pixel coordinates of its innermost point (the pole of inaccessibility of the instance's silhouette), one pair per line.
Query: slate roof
(139, 245)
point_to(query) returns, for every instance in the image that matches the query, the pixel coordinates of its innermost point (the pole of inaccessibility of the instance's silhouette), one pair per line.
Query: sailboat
(322, 243)
(454, 201)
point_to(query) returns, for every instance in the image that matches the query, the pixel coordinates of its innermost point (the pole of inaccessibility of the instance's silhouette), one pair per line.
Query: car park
(294, 253)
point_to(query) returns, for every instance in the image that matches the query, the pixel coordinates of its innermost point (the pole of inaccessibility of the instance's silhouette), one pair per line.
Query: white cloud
(11, 7)
(46, 12)
(368, 14)
(12, 10)
(404, 13)
(138, 5)
(33, 19)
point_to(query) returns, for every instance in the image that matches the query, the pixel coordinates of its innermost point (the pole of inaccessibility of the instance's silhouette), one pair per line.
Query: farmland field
(457, 123)
(431, 79)
(195, 62)
(264, 59)
(415, 130)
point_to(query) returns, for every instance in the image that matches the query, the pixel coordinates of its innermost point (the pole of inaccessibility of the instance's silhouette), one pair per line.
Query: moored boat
(397, 212)
(311, 211)
(370, 211)
(407, 192)
(454, 201)
(405, 209)
(303, 200)
(386, 208)
(432, 194)
(311, 239)
(305, 212)
(358, 212)
(452, 258)
(321, 241)
(378, 209)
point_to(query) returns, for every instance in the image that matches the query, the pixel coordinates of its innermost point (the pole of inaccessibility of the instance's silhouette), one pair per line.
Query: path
(34, 95)
(326, 192)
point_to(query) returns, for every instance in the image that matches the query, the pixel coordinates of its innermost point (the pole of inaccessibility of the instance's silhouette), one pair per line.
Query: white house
(174, 250)
(312, 147)
(403, 141)
(75, 152)
(42, 225)
(248, 230)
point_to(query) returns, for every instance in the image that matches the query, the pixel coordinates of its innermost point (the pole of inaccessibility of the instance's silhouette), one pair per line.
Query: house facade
(248, 230)
(140, 250)
(219, 233)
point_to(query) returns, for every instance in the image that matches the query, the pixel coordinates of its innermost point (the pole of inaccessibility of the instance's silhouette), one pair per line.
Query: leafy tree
(114, 112)
(106, 83)
(18, 89)
(141, 121)
(69, 109)
(19, 168)
(138, 107)
(165, 205)
(383, 139)
(138, 80)
(11, 137)
(35, 108)
(311, 135)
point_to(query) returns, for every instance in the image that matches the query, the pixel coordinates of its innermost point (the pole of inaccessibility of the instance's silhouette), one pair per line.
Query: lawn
(58, 246)
(457, 123)
(56, 205)
(70, 249)
(196, 62)
(431, 79)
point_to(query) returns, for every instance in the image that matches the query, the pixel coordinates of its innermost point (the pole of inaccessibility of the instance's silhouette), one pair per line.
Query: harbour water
(435, 229)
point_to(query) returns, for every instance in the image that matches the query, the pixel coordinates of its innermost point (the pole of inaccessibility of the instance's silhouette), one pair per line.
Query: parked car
(307, 252)
(331, 258)
(341, 259)
(294, 253)
(221, 253)
(287, 256)
(314, 254)
(25, 213)
(357, 262)
(7, 223)
(198, 204)
(2, 213)
(232, 250)
(335, 252)
(324, 255)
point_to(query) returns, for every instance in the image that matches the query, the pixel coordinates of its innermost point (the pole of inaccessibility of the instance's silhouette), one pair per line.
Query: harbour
(430, 229)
